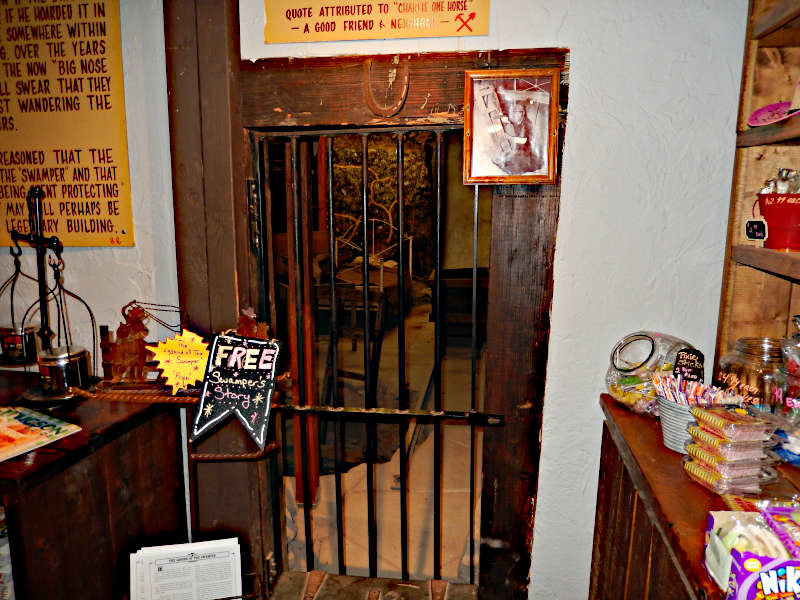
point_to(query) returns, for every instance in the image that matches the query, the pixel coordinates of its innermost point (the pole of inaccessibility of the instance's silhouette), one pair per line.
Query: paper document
(198, 571)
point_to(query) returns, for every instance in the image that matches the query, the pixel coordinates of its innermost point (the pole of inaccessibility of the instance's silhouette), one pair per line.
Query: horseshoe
(402, 78)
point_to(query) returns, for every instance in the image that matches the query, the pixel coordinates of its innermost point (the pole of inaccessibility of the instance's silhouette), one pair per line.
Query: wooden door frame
(213, 97)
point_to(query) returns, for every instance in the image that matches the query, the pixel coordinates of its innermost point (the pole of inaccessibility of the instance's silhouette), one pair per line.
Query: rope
(141, 397)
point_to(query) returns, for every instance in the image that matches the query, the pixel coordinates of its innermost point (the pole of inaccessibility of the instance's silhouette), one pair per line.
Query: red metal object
(782, 213)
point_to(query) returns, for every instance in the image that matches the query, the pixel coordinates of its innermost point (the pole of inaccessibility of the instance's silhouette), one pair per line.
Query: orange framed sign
(62, 121)
(323, 21)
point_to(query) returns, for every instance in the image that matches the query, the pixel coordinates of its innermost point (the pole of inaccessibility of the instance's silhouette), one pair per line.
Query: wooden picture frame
(510, 132)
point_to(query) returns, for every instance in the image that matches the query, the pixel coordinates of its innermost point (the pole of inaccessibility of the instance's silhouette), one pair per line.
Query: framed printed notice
(62, 121)
(324, 21)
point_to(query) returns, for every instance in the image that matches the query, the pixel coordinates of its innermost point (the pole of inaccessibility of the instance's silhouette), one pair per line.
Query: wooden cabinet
(650, 518)
(760, 289)
(76, 508)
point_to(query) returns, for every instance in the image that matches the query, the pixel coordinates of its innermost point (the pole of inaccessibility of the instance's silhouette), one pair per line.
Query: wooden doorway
(215, 101)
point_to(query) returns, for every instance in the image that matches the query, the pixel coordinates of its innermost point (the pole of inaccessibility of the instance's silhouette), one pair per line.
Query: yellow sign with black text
(62, 121)
(325, 21)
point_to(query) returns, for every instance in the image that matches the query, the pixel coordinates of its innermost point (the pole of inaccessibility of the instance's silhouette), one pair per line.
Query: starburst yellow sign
(182, 359)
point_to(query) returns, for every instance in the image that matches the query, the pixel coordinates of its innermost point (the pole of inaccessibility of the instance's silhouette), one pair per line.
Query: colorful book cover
(23, 430)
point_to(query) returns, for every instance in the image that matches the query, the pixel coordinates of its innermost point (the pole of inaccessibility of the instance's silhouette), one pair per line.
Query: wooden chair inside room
(350, 305)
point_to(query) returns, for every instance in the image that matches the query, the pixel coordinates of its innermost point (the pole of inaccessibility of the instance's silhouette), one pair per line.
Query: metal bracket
(254, 213)
(271, 570)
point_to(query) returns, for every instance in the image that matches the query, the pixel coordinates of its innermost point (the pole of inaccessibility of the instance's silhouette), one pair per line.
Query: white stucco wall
(109, 278)
(646, 174)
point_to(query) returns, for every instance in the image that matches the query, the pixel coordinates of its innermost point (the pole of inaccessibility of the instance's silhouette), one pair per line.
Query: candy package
(735, 425)
(715, 482)
(747, 467)
(726, 448)
(750, 532)
(785, 522)
(746, 556)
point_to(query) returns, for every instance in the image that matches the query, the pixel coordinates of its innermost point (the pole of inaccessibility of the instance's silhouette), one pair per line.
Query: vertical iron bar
(473, 386)
(372, 525)
(308, 501)
(35, 239)
(266, 228)
(437, 427)
(277, 490)
(473, 370)
(368, 391)
(338, 432)
(332, 262)
(402, 391)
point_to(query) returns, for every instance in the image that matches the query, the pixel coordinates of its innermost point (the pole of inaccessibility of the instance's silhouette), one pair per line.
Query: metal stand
(41, 244)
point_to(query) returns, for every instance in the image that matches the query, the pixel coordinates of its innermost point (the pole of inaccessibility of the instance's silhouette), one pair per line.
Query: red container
(782, 213)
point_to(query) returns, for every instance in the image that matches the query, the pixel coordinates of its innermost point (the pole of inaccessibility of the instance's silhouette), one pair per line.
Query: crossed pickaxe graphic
(463, 22)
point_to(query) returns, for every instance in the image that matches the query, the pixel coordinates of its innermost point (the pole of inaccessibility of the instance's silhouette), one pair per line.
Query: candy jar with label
(791, 356)
(753, 372)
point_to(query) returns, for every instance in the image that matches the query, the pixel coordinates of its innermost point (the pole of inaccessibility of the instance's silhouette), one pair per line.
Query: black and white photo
(509, 126)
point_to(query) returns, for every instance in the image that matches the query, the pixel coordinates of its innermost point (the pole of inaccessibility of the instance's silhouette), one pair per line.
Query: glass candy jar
(753, 372)
(634, 359)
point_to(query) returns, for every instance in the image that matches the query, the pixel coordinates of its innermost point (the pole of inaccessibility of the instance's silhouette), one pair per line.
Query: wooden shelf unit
(785, 131)
(760, 290)
(777, 25)
(781, 264)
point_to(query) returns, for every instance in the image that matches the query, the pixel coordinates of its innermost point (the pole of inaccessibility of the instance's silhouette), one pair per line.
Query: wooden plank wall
(212, 243)
(524, 221)
(207, 165)
(334, 89)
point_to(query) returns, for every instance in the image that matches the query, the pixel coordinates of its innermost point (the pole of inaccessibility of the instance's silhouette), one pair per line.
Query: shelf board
(785, 264)
(785, 131)
(781, 14)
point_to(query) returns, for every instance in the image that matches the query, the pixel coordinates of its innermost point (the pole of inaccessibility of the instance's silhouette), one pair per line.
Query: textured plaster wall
(648, 160)
(109, 278)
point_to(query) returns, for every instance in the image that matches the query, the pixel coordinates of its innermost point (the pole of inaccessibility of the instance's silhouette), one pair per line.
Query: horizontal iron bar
(209, 457)
(294, 132)
(394, 414)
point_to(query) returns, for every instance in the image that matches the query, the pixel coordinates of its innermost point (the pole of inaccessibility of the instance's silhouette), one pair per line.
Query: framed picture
(510, 126)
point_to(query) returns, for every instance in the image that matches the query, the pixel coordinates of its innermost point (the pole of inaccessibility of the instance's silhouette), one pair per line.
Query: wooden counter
(651, 518)
(77, 507)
